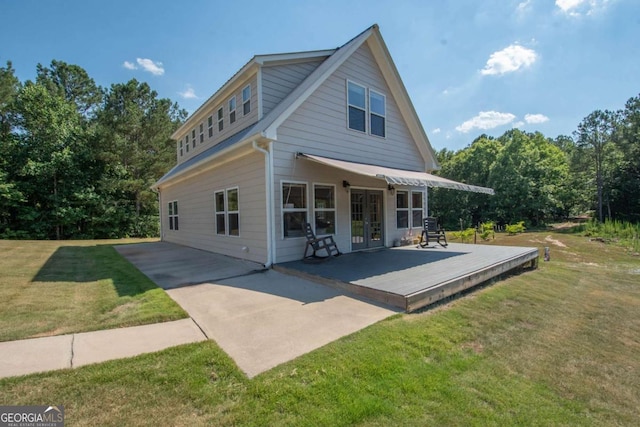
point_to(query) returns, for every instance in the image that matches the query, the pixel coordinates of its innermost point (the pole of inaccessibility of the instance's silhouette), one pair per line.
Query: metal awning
(397, 176)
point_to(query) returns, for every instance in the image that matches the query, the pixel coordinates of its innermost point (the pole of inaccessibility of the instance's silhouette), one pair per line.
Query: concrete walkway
(260, 318)
(74, 350)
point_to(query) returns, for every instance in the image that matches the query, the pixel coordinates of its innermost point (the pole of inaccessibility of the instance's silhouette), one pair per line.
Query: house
(328, 137)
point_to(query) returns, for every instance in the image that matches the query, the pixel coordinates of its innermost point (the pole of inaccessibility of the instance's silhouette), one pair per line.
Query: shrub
(514, 229)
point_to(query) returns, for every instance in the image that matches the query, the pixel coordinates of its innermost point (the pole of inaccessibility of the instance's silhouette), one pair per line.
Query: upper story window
(356, 100)
(246, 100)
(193, 137)
(358, 109)
(201, 133)
(232, 110)
(181, 152)
(377, 107)
(210, 125)
(186, 142)
(220, 119)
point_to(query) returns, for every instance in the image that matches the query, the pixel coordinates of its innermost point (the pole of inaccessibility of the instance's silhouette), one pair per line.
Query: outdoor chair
(432, 231)
(319, 245)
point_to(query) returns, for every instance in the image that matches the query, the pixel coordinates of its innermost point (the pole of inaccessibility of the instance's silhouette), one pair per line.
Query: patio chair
(320, 245)
(432, 231)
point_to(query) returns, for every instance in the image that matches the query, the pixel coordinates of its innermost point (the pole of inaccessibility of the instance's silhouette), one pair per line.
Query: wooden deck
(410, 277)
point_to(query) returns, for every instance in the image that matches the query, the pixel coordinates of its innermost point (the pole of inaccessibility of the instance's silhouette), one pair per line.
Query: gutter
(268, 172)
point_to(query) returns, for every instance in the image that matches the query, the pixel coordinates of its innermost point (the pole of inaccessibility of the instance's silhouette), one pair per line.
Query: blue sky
(470, 67)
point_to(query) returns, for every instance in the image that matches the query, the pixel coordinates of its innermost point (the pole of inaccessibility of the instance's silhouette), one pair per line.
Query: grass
(54, 288)
(555, 346)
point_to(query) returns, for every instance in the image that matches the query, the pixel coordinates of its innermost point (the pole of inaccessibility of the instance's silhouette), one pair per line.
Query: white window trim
(220, 117)
(284, 210)
(366, 99)
(417, 208)
(172, 216)
(193, 137)
(226, 212)
(210, 125)
(180, 149)
(234, 110)
(248, 100)
(334, 209)
(186, 143)
(407, 209)
(376, 114)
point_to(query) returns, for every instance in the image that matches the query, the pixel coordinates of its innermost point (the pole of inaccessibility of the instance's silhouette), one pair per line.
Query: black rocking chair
(432, 231)
(324, 244)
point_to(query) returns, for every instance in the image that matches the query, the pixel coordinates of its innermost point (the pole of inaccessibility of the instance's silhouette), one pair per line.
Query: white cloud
(486, 120)
(154, 67)
(511, 58)
(523, 7)
(188, 93)
(129, 65)
(518, 124)
(578, 7)
(536, 118)
(436, 130)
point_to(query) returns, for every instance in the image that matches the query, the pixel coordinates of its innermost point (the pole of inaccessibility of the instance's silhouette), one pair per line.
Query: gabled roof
(268, 125)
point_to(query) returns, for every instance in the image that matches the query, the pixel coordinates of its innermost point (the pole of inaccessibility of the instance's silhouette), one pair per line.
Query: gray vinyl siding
(279, 80)
(241, 122)
(195, 197)
(319, 126)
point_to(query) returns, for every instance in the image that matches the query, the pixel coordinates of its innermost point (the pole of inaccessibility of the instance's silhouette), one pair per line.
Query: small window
(402, 209)
(220, 119)
(186, 142)
(232, 110)
(227, 212)
(357, 106)
(181, 152)
(193, 137)
(294, 209)
(324, 208)
(416, 209)
(173, 215)
(377, 113)
(210, 125)
(246, 100)
(201, 133)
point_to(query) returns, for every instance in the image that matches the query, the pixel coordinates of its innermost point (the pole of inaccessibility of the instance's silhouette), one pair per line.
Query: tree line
(538, 180)
(76, 159)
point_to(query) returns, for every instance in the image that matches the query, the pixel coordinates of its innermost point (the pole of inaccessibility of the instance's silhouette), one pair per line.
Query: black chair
(432, 231)
(319, 245)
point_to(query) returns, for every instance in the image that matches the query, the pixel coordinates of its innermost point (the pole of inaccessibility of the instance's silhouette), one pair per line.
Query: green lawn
(556, 346)
(53, 288)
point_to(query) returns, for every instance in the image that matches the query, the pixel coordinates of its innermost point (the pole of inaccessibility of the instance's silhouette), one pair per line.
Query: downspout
(268, 176)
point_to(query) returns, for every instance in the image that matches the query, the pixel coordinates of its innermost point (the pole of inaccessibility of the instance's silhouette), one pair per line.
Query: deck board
(412, 277)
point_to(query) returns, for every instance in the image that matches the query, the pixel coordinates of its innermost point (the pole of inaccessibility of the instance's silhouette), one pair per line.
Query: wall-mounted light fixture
(346, 185)
(391, 189)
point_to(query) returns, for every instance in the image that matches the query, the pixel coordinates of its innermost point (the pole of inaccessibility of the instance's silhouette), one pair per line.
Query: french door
(367, 219)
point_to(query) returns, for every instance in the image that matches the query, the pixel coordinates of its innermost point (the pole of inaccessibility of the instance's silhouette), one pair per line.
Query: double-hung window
(416, 209)
(193, 137)
(324, 208)
(377, 113)
(210, 125)
(201, 133)
(402, 209)
(246, 100)
(357, 102)
(186, 142)
(227, 212)
(181, 150)
(232, 110)
(294, 209)
(173, 215)
(220, 119)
